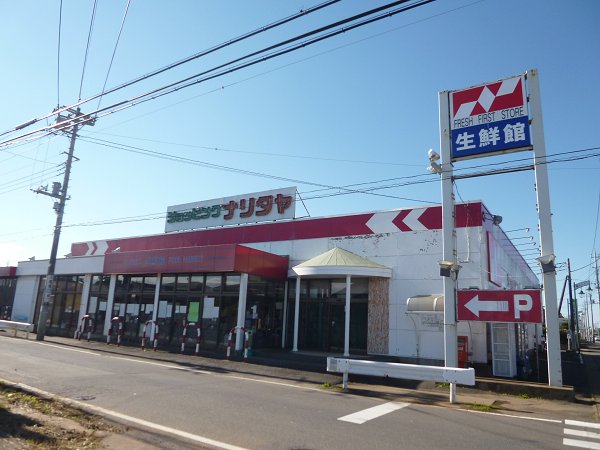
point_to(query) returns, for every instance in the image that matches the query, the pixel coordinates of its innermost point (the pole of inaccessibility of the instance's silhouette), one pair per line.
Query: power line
(204, 76)
(213, 49)
(269, 154)
(181, 159)
(112, 58)
(87, 47)
(58, 54)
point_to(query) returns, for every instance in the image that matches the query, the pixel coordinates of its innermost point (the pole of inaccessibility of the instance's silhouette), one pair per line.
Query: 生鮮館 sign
(489, 118)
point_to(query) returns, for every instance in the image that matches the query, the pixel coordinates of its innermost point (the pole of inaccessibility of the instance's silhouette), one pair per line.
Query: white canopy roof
(340, 262)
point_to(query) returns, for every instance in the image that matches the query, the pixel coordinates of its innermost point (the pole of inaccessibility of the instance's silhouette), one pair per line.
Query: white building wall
(29, 274)
(25, 296)
(413, 258)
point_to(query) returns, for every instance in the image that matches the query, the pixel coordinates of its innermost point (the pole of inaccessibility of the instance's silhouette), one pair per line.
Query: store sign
(247, 208)
(523, 306)
(490, 118)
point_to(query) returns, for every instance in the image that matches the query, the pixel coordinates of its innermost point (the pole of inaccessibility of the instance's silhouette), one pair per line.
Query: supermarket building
(290, 281)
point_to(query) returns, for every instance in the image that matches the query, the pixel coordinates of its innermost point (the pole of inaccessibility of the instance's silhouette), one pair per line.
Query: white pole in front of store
(285, 313)
(347, 318)
(449, 243)
(296, 315)
(241, 316)
(542, 190)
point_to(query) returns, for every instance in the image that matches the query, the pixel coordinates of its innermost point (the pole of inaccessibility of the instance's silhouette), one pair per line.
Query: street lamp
(590, 318)
(589, 290)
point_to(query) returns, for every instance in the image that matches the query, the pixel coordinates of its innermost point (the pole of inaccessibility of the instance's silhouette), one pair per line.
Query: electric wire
(210, 75)
(167, 156)
(213, 49)
(339, 47)
(87, 47)
(269, 154)
(112, 58)
(58, 54)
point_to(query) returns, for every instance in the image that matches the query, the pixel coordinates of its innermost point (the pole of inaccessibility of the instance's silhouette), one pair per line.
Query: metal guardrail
(16, 326)
(398, 370)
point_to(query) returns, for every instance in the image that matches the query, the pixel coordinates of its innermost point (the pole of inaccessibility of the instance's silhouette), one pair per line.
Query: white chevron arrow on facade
(476, 306)
(382, 222)
(91, 248)
(102, 246)
(412, 220)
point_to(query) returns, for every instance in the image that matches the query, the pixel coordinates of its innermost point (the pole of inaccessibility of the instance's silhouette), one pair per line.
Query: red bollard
(184, 336)
(229, 342)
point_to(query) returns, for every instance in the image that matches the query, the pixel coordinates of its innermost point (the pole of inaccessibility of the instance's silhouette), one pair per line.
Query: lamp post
(589, 318)
(589, 291)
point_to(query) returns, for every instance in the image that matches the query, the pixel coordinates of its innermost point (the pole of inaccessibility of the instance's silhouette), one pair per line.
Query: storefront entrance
(322, 316)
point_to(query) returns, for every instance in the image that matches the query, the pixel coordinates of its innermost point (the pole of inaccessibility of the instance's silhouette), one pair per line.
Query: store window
(65, 307)
(7, 295)
(322, 314)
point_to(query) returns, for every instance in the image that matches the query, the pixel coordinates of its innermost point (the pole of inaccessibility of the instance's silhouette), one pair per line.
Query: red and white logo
(487, 98)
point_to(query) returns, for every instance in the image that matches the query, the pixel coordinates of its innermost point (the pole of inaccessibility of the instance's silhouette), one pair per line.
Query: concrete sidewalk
(577, 402)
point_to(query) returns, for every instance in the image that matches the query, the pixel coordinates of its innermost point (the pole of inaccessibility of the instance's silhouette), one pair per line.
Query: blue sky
(361, 107)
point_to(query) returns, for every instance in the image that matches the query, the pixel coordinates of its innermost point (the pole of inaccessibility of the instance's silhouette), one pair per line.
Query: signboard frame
(490, 119)
(514, 306)
(277, 204)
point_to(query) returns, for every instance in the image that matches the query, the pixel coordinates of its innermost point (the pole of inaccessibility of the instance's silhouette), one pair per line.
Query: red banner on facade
(211, 258)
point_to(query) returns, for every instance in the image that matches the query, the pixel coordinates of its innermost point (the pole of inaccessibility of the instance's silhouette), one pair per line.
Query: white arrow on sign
(476, 306)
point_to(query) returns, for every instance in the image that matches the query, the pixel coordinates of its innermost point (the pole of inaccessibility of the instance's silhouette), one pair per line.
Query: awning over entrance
(339, 262)
(425, 304)
(210, 258)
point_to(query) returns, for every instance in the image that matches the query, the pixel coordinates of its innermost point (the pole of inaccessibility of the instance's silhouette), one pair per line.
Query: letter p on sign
(523, 302)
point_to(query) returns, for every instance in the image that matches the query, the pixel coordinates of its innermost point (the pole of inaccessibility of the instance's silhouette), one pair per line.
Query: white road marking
(581, 433)
(183, 369)
(581, 444)
(68, 348)
(577, 423)
(365, 415)
(512, 416)
(130, 419)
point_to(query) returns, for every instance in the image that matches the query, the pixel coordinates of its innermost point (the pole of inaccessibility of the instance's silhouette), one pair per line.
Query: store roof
(336, 262)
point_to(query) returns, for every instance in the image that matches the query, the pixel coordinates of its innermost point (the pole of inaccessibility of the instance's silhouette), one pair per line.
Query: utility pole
(573, 337)
(60, 193)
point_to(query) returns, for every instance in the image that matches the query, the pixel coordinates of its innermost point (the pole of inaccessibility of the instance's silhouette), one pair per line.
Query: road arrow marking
(365, 415)
(476, 306)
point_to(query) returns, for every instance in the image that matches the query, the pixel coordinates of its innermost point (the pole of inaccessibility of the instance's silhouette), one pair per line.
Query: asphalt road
(228, 410)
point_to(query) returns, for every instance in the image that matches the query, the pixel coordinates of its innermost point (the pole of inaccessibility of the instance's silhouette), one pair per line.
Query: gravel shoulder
(30, 422)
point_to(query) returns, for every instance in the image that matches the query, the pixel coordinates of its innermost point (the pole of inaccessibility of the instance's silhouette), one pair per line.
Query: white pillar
(85, 296)
(347, 319)
(284, 326)
(296, 315)
(241, 317)
(109, 304)
(449, 241)
(545, 225)
(155, 310)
